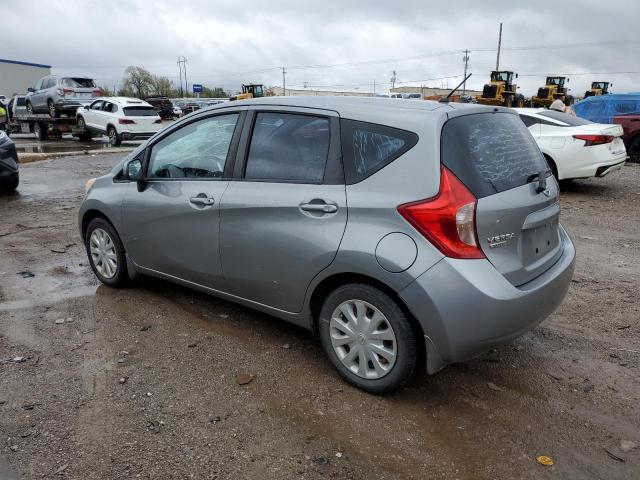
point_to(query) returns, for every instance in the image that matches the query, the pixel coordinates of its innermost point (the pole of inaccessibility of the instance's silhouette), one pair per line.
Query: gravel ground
(143, 382)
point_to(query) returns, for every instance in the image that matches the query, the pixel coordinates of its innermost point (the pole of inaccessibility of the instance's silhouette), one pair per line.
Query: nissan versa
(397, 231)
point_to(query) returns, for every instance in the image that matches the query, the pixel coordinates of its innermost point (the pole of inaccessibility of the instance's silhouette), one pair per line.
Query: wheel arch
(330, 283)
(90, 215)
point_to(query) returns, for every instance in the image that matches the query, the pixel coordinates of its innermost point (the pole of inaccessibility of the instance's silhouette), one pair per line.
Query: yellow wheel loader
(501, 91)
(251, 90)
(598, 88)
(554, 89)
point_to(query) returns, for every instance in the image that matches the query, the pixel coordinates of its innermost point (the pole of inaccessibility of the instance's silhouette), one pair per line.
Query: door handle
(319, 207)
(202, 200)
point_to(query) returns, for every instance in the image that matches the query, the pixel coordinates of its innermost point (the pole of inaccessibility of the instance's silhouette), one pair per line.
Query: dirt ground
(143, 382)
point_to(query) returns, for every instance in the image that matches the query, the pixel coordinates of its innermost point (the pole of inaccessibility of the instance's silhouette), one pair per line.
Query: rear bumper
(136, 135)
(466, 307)
(607, 169)
(72, 104)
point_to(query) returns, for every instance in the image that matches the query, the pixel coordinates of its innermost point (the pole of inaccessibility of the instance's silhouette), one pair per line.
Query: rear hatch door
(79, 89)
(517, 212)
(144, 116)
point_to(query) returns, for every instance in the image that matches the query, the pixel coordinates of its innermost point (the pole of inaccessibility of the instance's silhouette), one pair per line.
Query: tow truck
(44, 127)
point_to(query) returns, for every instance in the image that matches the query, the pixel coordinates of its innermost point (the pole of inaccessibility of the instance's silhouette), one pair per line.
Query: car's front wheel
(368, 338)
(114, 138)
(53, 113)
(106, 253)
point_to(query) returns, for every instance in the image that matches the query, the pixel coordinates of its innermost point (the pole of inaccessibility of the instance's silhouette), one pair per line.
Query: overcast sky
(350, 44)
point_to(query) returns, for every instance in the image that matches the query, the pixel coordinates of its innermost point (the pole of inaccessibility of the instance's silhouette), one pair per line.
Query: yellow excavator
(554, 89)
(251, 90)
(501, 91)
(598, 88)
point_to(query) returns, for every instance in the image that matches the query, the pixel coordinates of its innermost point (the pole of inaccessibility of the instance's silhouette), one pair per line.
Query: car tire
(40, 131)
(391, 334)
(114, 138)
(83, 132)
(106, 253)
(30, 108)
(634, 150)
(11, 184)
(51, 108)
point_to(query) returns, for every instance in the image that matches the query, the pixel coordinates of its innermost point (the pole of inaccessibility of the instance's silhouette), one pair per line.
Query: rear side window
(139, 111)
(78, 83)
(528, 121)
(490, 152)
(569, 120)
(288, 147)
(368, 147)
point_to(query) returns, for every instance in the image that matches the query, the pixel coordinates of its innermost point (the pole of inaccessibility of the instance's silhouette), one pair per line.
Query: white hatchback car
(120, 118)
(575, 147)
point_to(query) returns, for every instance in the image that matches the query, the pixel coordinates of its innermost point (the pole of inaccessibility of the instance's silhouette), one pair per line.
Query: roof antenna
(446, 99)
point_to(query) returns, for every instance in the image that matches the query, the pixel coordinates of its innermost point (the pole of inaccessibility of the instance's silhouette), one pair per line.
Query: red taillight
(447, 220)
(125, 121)
(66, 91)
(590, 140)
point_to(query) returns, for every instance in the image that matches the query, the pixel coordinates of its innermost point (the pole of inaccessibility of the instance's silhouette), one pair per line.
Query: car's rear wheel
(83, 132)
(634, 150)
(53, 113)
(114, 138)
(367, 338)
(106, 253)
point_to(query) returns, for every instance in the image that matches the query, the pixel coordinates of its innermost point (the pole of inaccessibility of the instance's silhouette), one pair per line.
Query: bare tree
(162, 86)
(137, 82)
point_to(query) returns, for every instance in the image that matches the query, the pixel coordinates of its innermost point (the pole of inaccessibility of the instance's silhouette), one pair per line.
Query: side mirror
(31, 89)
(135, 173)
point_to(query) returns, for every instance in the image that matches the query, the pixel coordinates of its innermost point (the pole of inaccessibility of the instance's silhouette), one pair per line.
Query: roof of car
(124, 101)
(362, 107)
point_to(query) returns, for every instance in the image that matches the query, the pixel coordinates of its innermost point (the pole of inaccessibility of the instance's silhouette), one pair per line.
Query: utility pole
(284, 81)
(499, 46)
(374, 87)
(182, 67)
(465, 59)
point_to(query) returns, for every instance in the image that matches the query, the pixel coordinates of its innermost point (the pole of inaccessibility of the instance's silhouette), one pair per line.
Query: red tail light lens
(66, 91)
(590, 140)
(125, 121)
(447, 220)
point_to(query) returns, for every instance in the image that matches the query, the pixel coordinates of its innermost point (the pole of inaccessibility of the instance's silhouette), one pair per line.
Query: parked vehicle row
(352, 217)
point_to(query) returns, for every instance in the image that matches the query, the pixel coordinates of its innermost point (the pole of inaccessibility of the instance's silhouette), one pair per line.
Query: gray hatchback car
(401, 233)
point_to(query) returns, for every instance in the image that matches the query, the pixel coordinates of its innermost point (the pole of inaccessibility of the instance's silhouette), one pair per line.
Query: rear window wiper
(542, 180)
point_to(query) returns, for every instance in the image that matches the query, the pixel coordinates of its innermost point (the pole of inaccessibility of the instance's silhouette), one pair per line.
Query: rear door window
(368, 147)
(490, 152)
(288, 147)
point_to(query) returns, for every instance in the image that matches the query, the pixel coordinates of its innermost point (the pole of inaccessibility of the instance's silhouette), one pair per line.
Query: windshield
(501, 77)
(570, 120)
(490, 152)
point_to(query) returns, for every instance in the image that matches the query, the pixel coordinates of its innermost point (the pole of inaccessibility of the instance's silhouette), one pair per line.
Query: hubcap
(103, 253)
(363, 339)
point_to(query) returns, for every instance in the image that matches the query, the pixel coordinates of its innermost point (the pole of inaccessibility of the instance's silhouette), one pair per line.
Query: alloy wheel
(363, 339)
(103, 253)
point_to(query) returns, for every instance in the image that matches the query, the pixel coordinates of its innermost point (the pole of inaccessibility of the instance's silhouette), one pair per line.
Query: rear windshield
(78, 83)
(139, 111)
(490, 152)
(570, 120)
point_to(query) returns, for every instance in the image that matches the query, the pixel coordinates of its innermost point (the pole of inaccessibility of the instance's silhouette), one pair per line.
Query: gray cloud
(222, 40)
